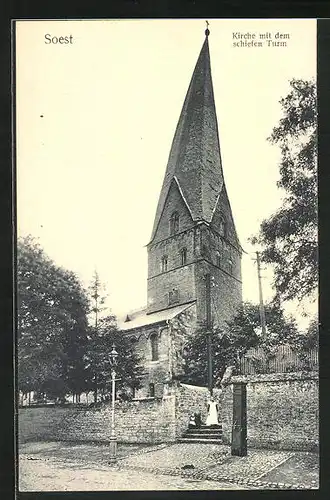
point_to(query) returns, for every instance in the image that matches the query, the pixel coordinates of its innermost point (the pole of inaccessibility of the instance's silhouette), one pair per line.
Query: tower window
(222, 227)
(173, 296)
(230, 266)
(183, 255)
(174, 223)
(154, 347)
(164, 264)
(151, 390)
(218, 259)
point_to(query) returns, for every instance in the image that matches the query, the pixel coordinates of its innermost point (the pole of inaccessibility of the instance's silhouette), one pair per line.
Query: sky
(95, 123)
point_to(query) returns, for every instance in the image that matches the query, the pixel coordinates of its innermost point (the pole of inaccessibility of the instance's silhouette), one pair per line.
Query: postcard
(166, 174)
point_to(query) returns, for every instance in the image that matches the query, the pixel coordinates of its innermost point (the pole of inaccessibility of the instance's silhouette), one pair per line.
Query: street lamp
(113, 440)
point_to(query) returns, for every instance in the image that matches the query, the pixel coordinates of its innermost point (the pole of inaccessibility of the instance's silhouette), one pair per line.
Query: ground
(54, 466)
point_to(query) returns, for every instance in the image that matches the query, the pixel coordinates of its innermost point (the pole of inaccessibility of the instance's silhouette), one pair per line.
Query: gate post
(239, 428)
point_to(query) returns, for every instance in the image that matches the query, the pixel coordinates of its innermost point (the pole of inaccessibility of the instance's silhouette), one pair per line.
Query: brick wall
(282, 410)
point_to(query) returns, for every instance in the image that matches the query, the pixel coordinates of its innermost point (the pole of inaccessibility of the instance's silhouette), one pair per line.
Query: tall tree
(52, 323)
(97, 294)
(230, 343)
(289, 237)
(128, 370)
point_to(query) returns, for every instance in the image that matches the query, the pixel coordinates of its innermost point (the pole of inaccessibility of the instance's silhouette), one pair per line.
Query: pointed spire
(194, 161)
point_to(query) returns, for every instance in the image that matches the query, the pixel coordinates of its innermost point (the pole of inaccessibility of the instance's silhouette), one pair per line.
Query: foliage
(230, 343)
(97, 295)
(52, 323)
(306, 342)
(58, 352)
(289, 237)
(100, 341)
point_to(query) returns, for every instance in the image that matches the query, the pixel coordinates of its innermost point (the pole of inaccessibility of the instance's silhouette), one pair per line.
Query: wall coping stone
(274, 377)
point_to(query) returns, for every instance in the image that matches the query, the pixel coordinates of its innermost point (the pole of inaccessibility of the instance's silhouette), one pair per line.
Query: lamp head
(113, 356)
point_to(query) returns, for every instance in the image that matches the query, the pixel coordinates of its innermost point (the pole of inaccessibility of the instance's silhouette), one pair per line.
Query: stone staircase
(203, 434)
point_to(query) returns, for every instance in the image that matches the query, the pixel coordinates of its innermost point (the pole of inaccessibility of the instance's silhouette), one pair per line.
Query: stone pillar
(239, 428)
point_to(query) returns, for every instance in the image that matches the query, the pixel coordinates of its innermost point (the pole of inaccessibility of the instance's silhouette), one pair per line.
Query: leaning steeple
(194, 162)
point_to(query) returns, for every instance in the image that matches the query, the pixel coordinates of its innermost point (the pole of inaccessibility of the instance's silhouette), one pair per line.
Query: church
(194, 255)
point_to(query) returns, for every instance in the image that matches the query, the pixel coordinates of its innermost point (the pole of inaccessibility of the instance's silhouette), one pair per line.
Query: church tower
(194, 237)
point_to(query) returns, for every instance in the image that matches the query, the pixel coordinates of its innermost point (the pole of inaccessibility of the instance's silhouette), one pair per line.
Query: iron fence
(281, 359)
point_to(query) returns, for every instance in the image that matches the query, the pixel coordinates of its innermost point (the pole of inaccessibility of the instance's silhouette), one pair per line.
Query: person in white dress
(212, 413)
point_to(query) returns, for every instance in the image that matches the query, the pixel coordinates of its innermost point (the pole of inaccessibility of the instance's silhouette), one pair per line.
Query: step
(203, 426)
(203, 436)
(205, 431)
(199, 440)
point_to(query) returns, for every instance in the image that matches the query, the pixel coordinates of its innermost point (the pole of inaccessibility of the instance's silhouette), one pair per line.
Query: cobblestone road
(173, 457)
(50, 475)
(72, 466)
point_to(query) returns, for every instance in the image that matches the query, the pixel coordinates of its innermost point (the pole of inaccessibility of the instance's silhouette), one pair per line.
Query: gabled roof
(194, 159)
(140, 317)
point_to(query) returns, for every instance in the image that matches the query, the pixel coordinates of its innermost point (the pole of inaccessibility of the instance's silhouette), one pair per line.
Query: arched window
(230, 265)
(151, 390)
(154, 347)
(218, 259)
(173, 296)
(174, 223)
(222, 226)
(164, 264)
(183, 255)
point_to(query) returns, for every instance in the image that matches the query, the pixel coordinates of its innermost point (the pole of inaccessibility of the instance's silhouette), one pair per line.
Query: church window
(154, 347)
(151, 390)
(164, 263)
(230, 266)
(183, 255)
(174, 223)
(218, 259)
(173, 296)
(222, 226)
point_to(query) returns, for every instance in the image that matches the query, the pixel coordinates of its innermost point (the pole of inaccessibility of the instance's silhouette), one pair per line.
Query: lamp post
(113, 439)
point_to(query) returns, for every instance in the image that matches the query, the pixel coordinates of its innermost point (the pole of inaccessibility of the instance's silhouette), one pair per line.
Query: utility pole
(209, 332)
(261, 301)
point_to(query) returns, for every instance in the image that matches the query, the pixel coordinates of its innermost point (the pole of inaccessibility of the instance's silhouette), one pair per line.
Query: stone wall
(190, 399)
(174, 203)
(181, 279)
(226, 293)
(177, 276)
(155, 372)
(149, 421)
(282, 410)
(145, 421)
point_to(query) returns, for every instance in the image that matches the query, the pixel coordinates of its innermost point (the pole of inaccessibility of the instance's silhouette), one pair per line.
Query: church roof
(140, 317)
(194, 161)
